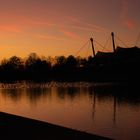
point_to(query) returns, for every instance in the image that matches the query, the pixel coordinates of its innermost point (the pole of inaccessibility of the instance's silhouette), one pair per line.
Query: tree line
(37, 68)
(115, 67)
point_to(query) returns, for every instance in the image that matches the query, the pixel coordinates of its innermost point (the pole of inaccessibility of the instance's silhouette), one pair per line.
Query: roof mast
(113, 41)
(93, 50)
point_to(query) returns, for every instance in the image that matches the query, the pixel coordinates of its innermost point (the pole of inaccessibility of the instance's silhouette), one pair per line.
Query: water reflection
(118, 94)
(14, 94)
(96, 108)
(36, 94)
(70, 92)
(121, 93)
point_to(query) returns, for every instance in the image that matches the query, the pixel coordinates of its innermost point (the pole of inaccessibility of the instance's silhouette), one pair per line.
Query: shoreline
(17, 127)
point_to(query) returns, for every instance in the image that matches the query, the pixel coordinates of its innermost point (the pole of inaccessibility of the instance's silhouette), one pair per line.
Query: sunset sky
(62, 27)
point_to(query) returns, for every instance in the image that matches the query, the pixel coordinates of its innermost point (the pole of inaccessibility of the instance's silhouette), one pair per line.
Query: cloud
(10, 28)
(130, 24)
(47, 37)
(43, 23)
(125, 8)
(82, 25)
(126, 20)
(67, 28)
(70, 34)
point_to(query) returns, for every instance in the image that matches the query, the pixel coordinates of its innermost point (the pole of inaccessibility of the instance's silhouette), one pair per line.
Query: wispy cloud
(10, 28)
(62, 29)
(125, 8)
(47, 23)
(125, 18)
(130, 24)
(82, 25)
(70, 34)
(47, 37)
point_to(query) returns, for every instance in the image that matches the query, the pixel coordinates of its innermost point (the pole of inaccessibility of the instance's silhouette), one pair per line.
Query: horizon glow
(61, 27)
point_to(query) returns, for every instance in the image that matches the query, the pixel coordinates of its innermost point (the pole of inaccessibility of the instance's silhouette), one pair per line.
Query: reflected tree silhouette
(14, 94)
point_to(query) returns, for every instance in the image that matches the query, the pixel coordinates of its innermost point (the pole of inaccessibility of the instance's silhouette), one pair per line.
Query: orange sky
(61, 27)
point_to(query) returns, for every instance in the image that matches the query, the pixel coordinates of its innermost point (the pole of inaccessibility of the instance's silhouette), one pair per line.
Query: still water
(109, 110)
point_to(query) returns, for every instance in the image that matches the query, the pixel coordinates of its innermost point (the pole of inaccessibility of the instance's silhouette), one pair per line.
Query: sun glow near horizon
(53, 28)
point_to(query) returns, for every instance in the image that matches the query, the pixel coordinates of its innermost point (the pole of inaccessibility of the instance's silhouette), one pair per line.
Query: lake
(110, 110)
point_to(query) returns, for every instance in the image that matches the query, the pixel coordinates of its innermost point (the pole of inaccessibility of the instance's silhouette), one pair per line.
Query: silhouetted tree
(37, 68)
(60, 60)
(12, 68)
(71, 62)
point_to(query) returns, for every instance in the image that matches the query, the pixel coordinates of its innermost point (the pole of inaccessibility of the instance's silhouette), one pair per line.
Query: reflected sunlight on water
(103, 109)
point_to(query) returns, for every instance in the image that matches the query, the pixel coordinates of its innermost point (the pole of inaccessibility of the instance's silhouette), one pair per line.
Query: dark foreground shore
(16, 127)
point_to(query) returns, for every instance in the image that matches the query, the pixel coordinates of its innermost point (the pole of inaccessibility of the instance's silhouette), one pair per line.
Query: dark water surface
(110, 110)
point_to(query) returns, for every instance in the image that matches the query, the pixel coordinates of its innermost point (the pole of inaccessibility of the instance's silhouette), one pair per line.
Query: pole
(93, 50)
(113, 41)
